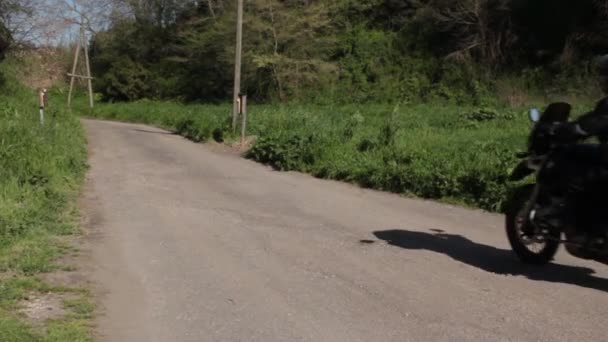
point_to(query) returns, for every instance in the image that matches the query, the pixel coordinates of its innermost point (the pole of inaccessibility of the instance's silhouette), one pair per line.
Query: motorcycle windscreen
(556, 112)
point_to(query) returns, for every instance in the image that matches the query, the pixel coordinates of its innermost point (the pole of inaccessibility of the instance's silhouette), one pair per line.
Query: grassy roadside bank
(452, 153)
(42, 168)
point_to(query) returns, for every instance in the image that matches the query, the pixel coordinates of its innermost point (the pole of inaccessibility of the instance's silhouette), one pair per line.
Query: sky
(55, 22)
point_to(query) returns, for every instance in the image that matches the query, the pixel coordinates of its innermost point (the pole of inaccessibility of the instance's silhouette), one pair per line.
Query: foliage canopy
(350, 50)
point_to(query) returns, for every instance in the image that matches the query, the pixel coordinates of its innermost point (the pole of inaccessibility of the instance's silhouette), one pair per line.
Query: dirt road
(193, 244)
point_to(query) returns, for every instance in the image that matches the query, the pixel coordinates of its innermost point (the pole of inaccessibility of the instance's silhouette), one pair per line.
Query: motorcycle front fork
(542, 219)
(529, 208)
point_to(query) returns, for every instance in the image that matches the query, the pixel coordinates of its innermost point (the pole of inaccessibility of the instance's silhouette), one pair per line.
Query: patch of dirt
(69, 272)
(234, 148)
(5, 276)
(73, 273)
(68, 279)
(39, 308)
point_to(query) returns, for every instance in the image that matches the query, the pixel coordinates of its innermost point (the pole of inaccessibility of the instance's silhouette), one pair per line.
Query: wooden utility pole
(74, 65)
(88, 67)
(237, 63)
(81, 43)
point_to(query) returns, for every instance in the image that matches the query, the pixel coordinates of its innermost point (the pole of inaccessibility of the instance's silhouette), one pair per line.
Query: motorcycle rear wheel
(516, 219)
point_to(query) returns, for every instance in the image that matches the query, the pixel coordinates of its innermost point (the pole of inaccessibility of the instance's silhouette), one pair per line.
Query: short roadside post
(43, 99)
(243, 112)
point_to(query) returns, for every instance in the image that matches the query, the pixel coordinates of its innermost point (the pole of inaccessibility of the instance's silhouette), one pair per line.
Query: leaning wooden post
(243, 111)
(88, 75)
(82, 43)
(72, 78)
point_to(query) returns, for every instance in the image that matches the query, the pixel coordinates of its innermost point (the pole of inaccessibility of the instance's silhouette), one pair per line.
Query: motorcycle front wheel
(535, 250)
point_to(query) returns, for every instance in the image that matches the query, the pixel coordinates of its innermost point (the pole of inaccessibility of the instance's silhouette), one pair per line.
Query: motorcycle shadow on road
(489, 258)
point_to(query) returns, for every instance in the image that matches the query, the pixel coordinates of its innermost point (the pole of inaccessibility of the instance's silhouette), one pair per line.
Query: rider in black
(585, 166)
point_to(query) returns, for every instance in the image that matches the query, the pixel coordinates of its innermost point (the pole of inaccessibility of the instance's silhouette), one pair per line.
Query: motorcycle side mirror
(534, 115)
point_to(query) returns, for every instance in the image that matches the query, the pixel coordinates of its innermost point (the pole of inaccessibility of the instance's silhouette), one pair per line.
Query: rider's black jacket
(594, 123)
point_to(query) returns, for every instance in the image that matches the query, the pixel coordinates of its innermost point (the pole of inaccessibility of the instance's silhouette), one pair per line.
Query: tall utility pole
(72, 75)
(237, 63)
(88, 68)
(81, 43)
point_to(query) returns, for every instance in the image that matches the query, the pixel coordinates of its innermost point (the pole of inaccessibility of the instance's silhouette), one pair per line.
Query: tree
(5, 40)
(15, 18)
(294, 42)
(479, 29)
(360, 50)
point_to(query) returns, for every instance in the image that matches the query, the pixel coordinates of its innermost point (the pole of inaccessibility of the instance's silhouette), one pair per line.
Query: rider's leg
(558, 204)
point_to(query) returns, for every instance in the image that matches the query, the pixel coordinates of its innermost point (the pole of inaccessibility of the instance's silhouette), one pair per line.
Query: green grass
(14, 330)
(81, 307)
(75, 326)
(41, 171)
(446, 152)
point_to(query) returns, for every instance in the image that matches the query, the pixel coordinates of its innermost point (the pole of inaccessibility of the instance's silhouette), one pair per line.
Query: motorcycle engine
(584, 247)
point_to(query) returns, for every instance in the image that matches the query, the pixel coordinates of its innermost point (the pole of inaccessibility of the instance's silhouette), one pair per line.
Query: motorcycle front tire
(515, 206)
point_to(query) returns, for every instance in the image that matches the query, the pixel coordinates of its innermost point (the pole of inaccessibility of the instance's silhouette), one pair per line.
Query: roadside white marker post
(43, 99)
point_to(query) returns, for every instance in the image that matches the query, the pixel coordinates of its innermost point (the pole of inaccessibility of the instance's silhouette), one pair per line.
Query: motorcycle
(582, 228)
